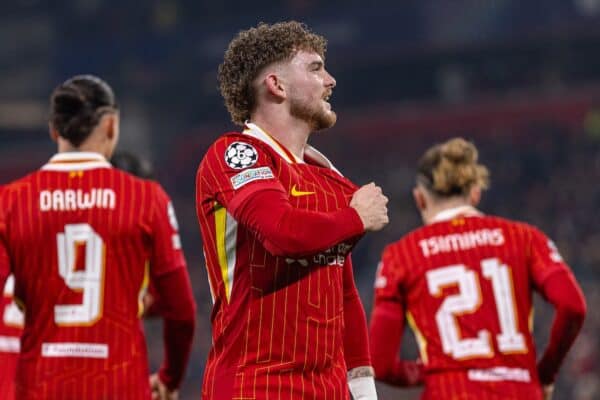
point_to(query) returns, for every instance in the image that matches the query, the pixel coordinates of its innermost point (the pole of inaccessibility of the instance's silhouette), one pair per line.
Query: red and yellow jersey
(278, 322)
(79, 237)
(466, 283)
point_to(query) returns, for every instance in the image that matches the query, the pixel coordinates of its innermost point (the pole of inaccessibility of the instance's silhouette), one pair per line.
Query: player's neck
(287, 130)
(435, 209)
(90, 145)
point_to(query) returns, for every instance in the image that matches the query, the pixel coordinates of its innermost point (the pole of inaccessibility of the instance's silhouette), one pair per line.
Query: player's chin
(325, 120)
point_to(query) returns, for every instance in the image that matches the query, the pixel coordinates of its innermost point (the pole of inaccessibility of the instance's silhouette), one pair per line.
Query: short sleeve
(389, 277)
(545, 259)
(235, 167)
(167, 254)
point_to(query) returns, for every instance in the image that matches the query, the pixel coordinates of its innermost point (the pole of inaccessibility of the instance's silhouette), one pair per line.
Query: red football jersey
(278, 322)
(79, 237)
(11, 327)
(466, 284)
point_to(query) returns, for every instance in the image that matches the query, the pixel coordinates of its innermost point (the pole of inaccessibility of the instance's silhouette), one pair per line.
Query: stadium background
(521, 79)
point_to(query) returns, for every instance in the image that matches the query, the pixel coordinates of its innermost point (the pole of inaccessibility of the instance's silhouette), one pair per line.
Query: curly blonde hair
(254, 49)
(451, 168)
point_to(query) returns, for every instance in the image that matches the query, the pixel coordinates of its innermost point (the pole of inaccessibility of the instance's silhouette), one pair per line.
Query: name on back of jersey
(77, 199)
(461, 241)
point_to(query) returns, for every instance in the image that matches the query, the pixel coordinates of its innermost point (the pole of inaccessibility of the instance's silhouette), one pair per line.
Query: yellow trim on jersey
(259, 133)
(421, 341)
(531, 316)
(220, 227)
(143, 289)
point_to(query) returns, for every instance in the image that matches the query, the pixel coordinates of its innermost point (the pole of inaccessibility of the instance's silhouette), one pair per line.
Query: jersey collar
(256, 132)
(76, 160)
(451, 213)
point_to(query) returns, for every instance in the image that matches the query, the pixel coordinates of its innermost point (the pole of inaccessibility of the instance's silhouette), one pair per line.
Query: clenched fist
(371, 205)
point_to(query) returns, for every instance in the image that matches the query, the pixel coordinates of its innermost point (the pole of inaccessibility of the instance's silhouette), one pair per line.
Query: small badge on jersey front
(240, 155)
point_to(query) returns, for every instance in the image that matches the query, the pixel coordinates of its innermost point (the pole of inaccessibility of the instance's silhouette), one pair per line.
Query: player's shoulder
(137, 183)
(513, 226)
(228, 145)
(407, 242)
(16, 191)
(21, 183)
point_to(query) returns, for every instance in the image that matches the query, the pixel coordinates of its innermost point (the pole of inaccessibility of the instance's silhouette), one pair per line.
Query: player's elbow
(575, 309)
(188, 314)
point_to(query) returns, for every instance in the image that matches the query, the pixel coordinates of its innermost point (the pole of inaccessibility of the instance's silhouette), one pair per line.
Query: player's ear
(419, 197)
(53, 132)
(111, 125)
(275, 86)
(475, 196)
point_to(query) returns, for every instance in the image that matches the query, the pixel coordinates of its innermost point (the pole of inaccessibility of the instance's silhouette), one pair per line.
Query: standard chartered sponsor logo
(335, 255)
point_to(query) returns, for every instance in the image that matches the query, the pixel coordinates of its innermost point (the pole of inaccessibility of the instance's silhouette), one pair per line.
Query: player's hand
(548, 390)
(160, 390)
(147, 300)
(371, 205)
(413, 372)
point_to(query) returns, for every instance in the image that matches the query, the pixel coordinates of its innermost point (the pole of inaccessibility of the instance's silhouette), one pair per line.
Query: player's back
(79, 235)
(468, 285)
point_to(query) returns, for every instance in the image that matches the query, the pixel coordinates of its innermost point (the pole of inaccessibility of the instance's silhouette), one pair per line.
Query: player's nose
(329, 80)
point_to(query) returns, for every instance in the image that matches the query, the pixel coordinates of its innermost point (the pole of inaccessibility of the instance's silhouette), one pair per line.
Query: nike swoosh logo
(298, 193)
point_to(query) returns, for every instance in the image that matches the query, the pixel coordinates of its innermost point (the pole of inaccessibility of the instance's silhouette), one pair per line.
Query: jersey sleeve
(356, 342)
(235, 167)
(252, 193)
(386, 327)
(545, 259)
(167, 253)
(389, 276)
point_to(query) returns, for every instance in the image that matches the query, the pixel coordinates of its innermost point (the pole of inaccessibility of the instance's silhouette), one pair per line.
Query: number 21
(467, 300)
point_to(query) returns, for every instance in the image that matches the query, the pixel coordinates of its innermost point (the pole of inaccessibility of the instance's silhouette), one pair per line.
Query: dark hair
(77, 105)
(254, 49)
(133, 164)
(451, 169)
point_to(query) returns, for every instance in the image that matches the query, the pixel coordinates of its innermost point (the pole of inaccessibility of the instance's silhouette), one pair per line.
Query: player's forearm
(288, 231)
(356, 341)
(178, 309)
(570, 309)
(178, 338)
(385, 333)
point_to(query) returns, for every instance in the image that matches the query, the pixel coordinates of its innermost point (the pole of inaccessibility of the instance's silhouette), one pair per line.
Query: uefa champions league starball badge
(240, 155)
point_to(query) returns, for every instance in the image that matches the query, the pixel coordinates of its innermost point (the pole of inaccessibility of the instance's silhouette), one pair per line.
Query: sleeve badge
(240, 155)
